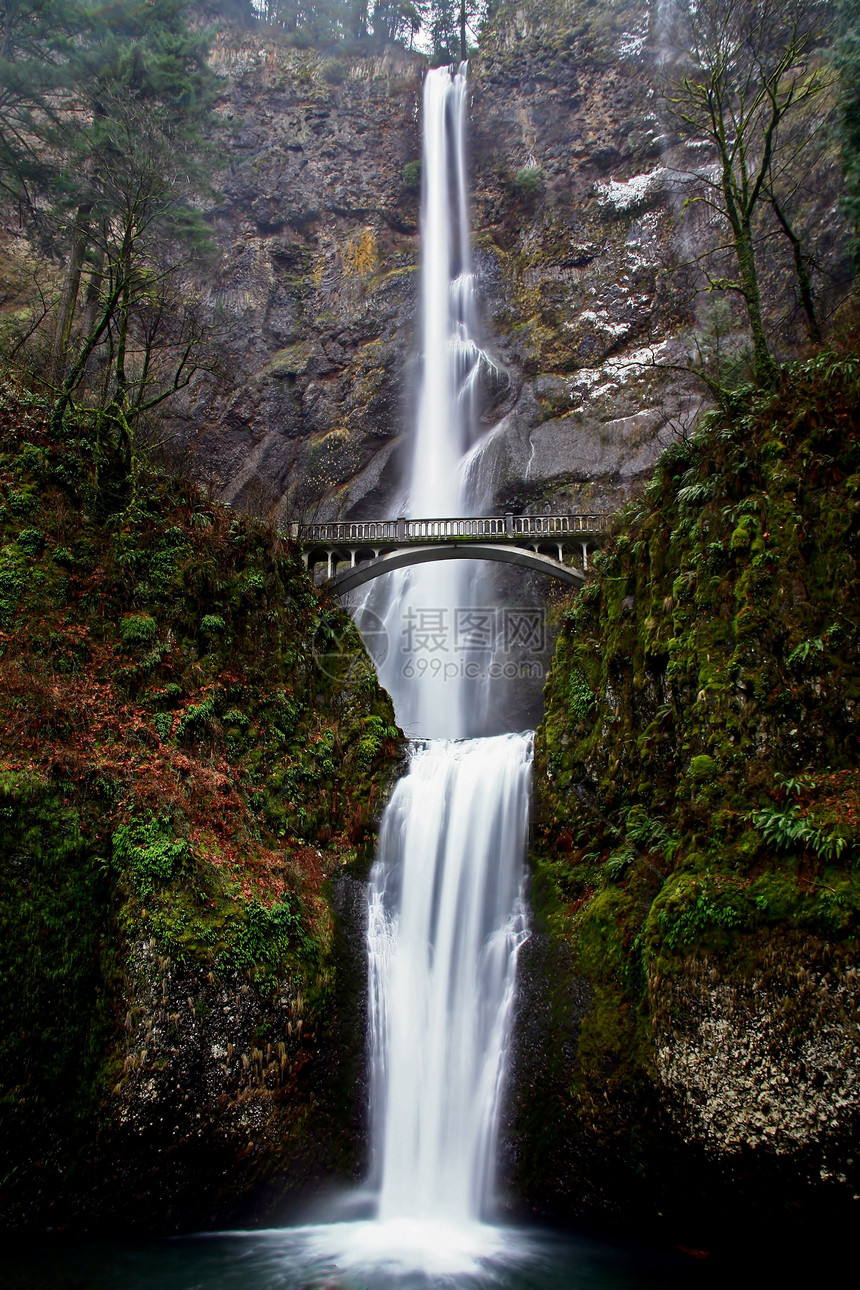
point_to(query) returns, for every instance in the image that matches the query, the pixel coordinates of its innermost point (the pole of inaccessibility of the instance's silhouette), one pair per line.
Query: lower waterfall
(446, 920)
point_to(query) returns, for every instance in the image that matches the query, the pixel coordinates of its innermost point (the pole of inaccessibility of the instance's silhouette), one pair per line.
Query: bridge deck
(373, 547)
(488, 528)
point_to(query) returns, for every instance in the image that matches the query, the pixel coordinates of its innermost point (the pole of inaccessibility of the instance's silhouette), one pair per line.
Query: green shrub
(149, 852)
(163, 722)
(412, 175)
(580, 695)
(21, 503)
(213, 623)
(32, 541)
(689, 909)
(13, 583)
(31, 460)
(333, 71)
(806, 651)
(198, 714)
(787, 829)
(266, 936)
(374, 732)
(617, 863)
(529, 180)
(137, 629)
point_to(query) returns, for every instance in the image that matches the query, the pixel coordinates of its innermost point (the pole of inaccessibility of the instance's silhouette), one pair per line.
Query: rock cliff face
(313, 298)
(763, 1062)
(583, 251)
(576, 215)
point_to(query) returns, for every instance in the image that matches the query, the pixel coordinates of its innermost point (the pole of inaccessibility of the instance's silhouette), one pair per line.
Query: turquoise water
(301, 1259)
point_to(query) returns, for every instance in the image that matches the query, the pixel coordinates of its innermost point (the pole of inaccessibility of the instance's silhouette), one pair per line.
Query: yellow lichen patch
(360, 255)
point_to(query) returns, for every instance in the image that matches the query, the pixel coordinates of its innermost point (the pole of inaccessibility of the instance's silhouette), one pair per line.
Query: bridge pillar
(509, 525)
(401, 529)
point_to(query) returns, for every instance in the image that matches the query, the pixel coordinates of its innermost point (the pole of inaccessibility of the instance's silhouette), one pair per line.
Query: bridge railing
(439, 530)
(381, 532)
(558, 525)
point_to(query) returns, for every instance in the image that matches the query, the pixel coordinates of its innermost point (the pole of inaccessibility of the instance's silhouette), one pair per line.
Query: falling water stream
(445, 905)
(445, 908)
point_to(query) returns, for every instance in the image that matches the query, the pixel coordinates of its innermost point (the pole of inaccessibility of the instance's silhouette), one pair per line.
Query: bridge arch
(351, 579)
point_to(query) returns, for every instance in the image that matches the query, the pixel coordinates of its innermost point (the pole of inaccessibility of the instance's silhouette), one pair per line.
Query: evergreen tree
(395, 20)
(37, 43)
(149, 56)
(452, 24)
(847, 58)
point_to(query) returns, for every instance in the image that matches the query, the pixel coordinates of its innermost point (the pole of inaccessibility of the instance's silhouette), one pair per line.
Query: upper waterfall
(450, 354)
(444, 695)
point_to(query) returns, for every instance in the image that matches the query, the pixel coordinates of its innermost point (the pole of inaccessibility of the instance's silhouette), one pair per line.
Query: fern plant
(787, 829)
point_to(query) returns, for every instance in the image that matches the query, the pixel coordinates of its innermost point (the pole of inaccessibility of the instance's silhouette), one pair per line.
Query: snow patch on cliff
(603, 323)
(597, 382)
(626, 194)
(632, 42)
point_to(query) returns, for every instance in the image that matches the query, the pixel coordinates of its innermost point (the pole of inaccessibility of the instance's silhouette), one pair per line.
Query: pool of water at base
(353, 1256)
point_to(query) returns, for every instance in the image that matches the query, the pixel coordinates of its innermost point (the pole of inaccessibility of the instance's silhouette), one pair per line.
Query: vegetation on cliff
(699, 798)
(193, 741)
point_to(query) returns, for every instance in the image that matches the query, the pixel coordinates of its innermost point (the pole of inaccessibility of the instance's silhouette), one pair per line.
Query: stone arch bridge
(352, 552)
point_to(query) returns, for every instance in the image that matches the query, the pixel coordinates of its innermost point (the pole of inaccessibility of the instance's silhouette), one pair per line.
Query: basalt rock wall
(313, 295)
(583, 248)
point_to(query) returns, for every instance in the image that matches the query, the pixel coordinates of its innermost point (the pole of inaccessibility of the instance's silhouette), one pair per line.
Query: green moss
(706, 800)
(58, 973)
(702, 768)
(180, 764)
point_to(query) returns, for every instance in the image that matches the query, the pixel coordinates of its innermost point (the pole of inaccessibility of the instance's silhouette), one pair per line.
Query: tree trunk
(763, 364)
(122, 343)
(80, 363)
(803, 280)
(69, 297)
(463, 49)
(94, 286)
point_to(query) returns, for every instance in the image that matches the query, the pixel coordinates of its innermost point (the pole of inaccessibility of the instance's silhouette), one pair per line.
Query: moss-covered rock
(194, 751)
(695, 862)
